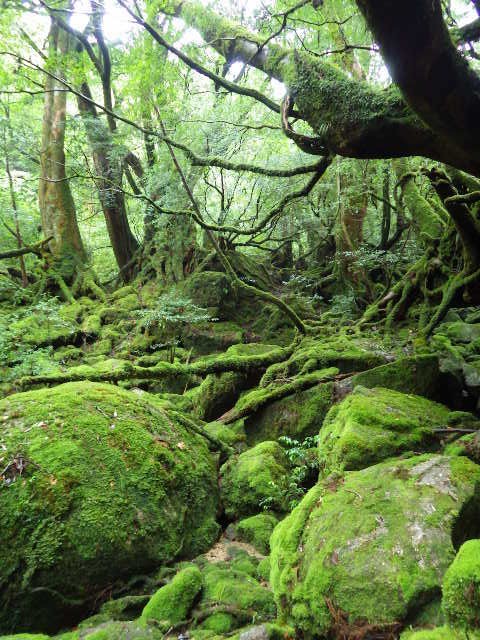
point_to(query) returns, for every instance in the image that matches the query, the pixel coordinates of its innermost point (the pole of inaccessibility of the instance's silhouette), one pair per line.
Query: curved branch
(215, 161)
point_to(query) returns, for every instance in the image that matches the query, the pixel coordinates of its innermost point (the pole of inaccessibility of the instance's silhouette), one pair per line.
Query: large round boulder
(369, 550)
(98, 484)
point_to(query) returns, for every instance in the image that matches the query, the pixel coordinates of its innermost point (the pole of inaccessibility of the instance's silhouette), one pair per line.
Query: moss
(121, 631)
(208, 337)
(371, 425)
(218, 623)
(263, 569)
(468, 445)
(297, 416)
(122, 292)
(460, 332)
(25, 636)
(172, 603)
(417, 374)
(439, 633)
(126, 608)
(313, 354)
(211, 290)
(102, 347)
(92, 325)
(233, 588)
(112, 485)
(461, 587)
(257, 531)
(67, 354)
(376, 544)
(233, 435)
(43, 329)
(254, 475)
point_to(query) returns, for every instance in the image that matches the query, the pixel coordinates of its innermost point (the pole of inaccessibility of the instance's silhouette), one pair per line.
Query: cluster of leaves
(302, 455)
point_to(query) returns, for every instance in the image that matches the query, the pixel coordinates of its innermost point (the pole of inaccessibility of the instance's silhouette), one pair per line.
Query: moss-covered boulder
(99, 483)
(234, 593)
(252, 477)
(373, 546)
(297, 416)
(371, 425)
(171, 603)
(419, 375)
(210, 290)
(207, 337)
(461, 587)
(257, 530)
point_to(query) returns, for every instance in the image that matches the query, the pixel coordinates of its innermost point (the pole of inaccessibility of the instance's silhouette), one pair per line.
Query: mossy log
(258, 398)
(130, 371)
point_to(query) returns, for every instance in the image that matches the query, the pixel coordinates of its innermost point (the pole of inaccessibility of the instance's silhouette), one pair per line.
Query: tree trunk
(109, 172)
(56, 203)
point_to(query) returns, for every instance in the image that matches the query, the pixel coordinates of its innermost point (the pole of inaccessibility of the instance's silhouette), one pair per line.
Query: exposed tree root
(257, 399)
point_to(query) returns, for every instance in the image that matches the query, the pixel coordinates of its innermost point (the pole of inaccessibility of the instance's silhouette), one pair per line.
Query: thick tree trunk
(351, 118)
(57, 207)
(432, 75)
(108, 178)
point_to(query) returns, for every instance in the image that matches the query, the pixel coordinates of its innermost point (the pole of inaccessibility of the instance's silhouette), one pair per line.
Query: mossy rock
(240, 595)
(126, 608)
(297, 416)
(371, 425)
(263, 569)
(101, 484)
(419, 375)
(373, 545)
(257, 530)
(232, 435)
(461, 587)
(172, 603)
(211, 290)
(207, 337)
(92, 325)
(459, 332)
(253, 476)
(42, 330)
(439, 633)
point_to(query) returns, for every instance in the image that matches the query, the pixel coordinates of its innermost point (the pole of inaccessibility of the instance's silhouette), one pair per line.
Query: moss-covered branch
(215, 161)
(258, 398)
(203, 367)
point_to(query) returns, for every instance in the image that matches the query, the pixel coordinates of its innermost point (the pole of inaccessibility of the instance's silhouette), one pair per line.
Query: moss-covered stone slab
(98, 484)
(461, 587)
(248, 479)
(373, 545)
(420, 375)
(297, 416)
(371, 425)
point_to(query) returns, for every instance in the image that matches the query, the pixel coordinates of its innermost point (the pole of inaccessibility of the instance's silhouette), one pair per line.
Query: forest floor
(182, 464)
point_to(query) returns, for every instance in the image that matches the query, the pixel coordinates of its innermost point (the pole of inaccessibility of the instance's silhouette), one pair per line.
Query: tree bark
(57, 207)
(108, 179)
(351, 118)
(434, 78)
